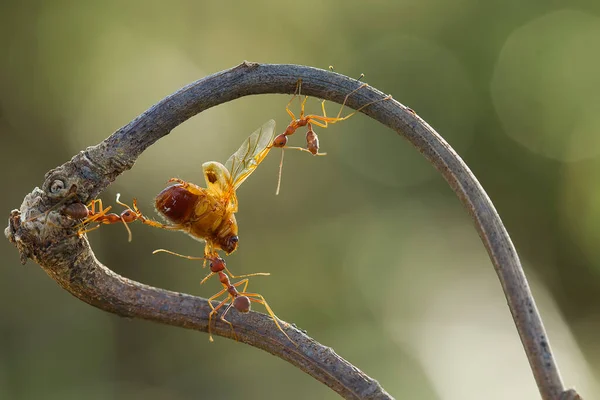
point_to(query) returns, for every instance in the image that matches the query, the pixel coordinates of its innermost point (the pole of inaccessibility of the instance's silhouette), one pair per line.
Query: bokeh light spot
(545, 85)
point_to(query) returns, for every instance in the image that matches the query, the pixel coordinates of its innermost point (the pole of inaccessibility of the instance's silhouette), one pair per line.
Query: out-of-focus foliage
(369, 250)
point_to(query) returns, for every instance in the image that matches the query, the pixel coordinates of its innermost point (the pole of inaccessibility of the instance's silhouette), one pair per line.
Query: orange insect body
(200, 213)
(208, 213)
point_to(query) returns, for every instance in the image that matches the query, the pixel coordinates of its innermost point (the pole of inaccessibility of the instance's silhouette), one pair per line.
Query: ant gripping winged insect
(323, 121)
(209, 213)
(79, 211)
(76, 210)
(240, 300)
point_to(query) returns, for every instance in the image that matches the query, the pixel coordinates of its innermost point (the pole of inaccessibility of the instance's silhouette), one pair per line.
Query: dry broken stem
(70, 261)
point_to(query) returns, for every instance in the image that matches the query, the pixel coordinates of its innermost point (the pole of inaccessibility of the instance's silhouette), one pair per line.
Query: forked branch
(71, 262)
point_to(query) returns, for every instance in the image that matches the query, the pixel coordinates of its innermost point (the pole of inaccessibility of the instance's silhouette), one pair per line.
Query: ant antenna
(280, 172)
(122, 220)
(222, 264)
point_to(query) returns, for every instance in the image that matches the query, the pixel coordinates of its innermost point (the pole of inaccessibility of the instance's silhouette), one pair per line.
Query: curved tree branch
(70, 261)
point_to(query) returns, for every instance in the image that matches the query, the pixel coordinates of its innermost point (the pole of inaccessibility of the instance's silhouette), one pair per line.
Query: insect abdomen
(176, 203)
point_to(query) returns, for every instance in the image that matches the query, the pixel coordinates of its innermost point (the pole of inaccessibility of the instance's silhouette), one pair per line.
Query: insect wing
(252, 152)
(219, 183)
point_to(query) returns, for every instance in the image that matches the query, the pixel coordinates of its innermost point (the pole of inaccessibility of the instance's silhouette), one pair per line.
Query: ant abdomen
(76, 211)
(312, 142)
(242, 304)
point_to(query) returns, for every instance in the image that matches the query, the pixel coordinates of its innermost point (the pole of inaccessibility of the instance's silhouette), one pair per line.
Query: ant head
(130, 215)
(280, 140)
(217, 264)
(242, 304)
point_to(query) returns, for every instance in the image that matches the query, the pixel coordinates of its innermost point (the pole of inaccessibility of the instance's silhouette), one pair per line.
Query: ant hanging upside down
(323, 121)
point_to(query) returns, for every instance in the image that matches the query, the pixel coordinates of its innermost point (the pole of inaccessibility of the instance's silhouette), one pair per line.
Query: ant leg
(347, 96)
(216, 296)
(324, 124)
(150, 222)
(324, 121)
(92, 206)
(388, 97)
(180, 181)
(147, 221)
(80, 233)
(207, 277)
(188, 186)
(177, 254)
(188, 257)
(323, 109)
(242, 282)
(261, 300)
(215, 310)
(222, 318)
(208, 252)
(247, 275)
(302, 107)
(287, 108)
(155, 224)
(305, 150)
(296, 94)
(95, 215)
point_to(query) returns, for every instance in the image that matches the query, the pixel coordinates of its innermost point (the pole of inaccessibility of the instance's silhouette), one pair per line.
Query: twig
(71, 262)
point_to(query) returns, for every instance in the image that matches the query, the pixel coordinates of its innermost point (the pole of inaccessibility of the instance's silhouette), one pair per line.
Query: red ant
(81, 211)
(323, 121)
(130, 214)
(240, 300)
(88, 213)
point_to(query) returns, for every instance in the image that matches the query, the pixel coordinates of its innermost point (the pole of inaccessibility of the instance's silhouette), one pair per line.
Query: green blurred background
(369, 249)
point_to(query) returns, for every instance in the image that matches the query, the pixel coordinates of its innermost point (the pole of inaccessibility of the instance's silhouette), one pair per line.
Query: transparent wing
(254, 149)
